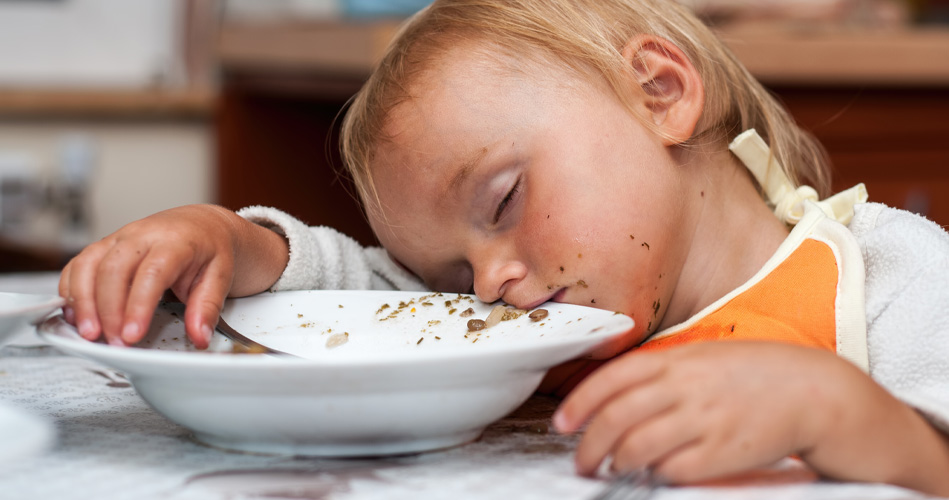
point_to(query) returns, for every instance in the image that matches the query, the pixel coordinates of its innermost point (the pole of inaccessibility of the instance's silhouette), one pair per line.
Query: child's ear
(674, 92)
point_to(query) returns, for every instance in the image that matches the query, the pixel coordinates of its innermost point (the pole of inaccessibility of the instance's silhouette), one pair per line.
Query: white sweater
(906, 259)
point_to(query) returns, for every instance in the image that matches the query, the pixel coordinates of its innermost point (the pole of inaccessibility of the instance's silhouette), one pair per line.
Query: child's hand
(201, 252)
(709, 410)
(694, 412)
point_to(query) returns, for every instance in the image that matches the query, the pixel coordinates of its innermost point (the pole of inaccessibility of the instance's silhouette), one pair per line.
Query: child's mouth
(556, 297)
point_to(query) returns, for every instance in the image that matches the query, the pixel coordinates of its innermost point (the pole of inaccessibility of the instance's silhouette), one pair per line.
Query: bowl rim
(52, 331)
(57, 331)
(44, 302)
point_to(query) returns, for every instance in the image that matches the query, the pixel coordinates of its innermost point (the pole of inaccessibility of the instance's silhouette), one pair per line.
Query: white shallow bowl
(406, 382)
(18, 310)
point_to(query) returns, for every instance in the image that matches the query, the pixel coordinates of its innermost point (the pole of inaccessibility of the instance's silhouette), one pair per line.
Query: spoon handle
(252, 346)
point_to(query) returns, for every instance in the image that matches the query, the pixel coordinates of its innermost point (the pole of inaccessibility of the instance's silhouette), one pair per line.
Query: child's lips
(555, 297)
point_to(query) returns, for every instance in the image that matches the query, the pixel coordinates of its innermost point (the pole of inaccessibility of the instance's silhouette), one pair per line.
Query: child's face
(530, 188)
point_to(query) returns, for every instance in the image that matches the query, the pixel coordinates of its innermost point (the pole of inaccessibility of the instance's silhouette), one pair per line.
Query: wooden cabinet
(894, 140)
(877, 100)
(283, 88)
(278, 147)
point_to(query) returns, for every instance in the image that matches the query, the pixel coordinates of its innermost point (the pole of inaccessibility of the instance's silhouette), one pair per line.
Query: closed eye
(508, 199)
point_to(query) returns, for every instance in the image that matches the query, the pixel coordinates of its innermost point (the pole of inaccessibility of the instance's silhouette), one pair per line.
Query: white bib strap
(788, 200)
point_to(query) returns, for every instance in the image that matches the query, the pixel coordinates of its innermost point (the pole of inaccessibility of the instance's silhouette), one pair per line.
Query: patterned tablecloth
(109, 444)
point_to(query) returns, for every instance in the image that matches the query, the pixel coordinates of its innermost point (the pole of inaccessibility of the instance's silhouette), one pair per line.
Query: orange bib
(794, 303)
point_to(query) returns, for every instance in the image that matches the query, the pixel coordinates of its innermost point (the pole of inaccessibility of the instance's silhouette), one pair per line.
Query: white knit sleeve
(907, 292)
(322, 258)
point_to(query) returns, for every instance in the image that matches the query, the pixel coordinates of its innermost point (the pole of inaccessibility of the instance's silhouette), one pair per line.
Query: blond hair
(588, 36)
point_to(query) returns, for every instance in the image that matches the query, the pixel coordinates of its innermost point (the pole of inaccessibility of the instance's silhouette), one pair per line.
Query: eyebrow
(464, 170)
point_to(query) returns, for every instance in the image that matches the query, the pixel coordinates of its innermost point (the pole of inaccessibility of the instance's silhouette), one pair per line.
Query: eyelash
(511, 195)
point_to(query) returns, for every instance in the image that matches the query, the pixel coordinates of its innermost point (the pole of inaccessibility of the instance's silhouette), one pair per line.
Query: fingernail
(559, 421)
(115, 341)
(70, 315)
(130, 333)
(87, 330)
(206, 331)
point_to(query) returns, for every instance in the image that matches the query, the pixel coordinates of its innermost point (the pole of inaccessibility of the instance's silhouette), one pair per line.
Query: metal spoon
(635, 485)
(251, 346)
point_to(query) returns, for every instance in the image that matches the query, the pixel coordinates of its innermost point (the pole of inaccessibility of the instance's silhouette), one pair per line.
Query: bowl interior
(357, 327)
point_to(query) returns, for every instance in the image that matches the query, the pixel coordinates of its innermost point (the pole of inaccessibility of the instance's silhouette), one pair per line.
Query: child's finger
(80, 289)
(656, 439)
(698, 461)
(206, 300)
(605, 384)
(617, 419)
(63, 289)
(160, 267)
(63, 286)
(117, 269)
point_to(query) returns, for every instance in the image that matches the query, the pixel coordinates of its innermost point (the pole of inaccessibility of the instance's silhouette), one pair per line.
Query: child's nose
(495, 274)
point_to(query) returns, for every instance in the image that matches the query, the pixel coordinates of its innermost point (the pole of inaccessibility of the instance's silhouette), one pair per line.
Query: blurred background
(113, 110)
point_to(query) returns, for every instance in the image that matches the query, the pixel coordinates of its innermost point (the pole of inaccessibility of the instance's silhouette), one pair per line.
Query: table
(111, 445)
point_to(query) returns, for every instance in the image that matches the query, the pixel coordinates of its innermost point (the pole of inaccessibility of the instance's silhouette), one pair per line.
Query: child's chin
(616, 346)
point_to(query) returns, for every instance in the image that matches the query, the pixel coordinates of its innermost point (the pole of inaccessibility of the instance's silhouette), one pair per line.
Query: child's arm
(203, 253)
(713, 409)
(323, 258)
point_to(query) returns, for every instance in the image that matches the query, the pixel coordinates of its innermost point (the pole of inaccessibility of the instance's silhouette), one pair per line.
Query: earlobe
(674, 96)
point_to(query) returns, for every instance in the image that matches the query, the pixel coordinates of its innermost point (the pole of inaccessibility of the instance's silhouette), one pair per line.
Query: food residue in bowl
(537, 315)
(504, 313)
(238, 348)
(425, 301)
(498, 313)
(475, 325)
(337, 339)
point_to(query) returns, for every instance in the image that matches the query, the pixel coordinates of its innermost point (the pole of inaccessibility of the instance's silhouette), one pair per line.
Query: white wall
(89, 43)
(140, 167)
